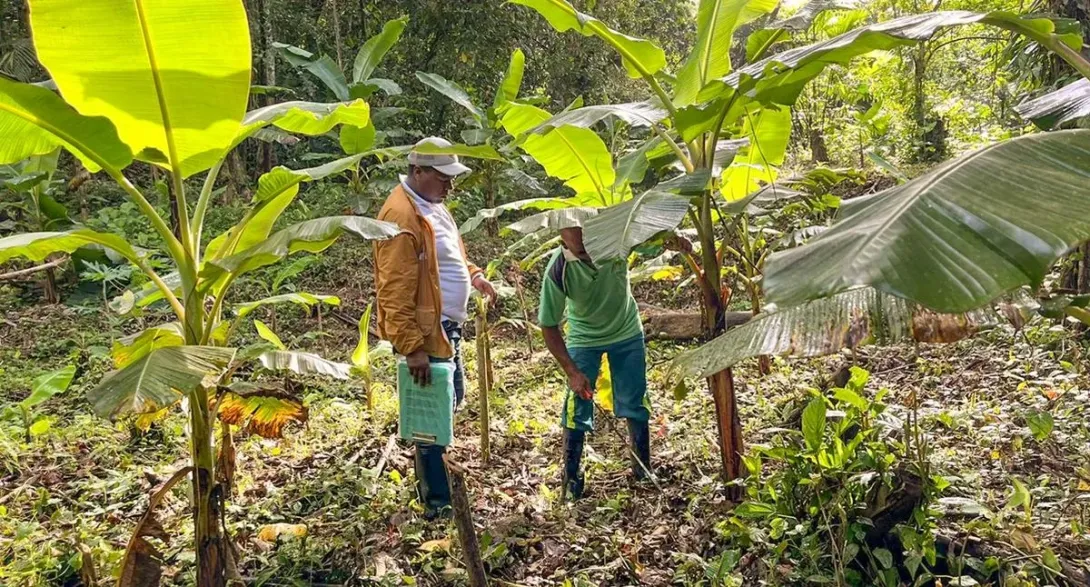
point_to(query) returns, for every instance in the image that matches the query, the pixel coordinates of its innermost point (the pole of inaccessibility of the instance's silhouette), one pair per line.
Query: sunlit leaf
(267, 334)
(36, 246)
(512, 79)
(306, 118)
(716, 21)
(311, 236)
(813, 423)
(641, 58)
(780, 78)
(35, 121)
(301, 298)
(173, 77)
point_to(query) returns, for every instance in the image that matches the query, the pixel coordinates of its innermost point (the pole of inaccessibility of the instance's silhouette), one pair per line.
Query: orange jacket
(409, 308)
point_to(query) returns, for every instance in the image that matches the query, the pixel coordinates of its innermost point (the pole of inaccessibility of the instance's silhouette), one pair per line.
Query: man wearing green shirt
(602, 321)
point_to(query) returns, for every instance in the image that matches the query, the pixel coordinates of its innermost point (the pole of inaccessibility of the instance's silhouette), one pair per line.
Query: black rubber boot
(573, 455)
(639, 437)
(432, 486)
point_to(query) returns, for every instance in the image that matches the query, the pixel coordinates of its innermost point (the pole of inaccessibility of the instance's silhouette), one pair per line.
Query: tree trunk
(721, 384)
(337, 33)
(268, 156)
(819, 151)
(1083, 283)
(467, 534)
(49, 286)
(207, 497)
(236, 179)
(729, 426)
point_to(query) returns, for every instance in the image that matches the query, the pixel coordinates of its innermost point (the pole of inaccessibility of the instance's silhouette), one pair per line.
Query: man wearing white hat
(423, 280)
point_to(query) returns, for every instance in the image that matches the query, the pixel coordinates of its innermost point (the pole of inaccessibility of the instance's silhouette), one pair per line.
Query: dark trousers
(432, 486)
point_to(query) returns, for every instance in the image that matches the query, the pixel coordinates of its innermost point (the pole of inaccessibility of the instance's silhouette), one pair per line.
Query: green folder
(426, 414)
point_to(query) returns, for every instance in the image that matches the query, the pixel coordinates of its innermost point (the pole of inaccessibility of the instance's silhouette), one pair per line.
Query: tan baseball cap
(445, 163)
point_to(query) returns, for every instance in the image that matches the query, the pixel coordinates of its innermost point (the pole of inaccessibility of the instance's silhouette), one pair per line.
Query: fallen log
(32, 270)
(659, 324)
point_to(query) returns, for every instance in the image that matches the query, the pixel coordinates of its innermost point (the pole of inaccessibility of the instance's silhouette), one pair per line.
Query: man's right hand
(419, 367)
(581, 385)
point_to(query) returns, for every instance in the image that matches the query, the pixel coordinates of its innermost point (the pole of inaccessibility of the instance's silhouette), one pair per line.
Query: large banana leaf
(509, 87)
(576, 156)
(779, 79)
(173, 77)
(35, 121)
(320, 66)
(641, 57)
(554, 219)
(302, 363)
(956, 237)
(276, 190)
(844, 321)
(716, 21)
(157, 380)
(614, 231)
(311, 236)
(1064, 105)
(375, 48)
(475, 151)
(642, 114)
(767, 130)
(36, 246)
(453, 91)
(490, 213)
(306, 118)
(632, 167)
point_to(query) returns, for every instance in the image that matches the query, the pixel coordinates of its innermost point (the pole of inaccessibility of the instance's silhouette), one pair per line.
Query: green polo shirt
(599, 302)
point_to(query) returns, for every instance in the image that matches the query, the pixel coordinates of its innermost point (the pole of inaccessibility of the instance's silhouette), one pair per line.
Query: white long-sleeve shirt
(454, 278)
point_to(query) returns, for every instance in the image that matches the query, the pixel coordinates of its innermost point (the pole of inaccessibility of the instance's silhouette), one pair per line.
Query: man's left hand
(482, 285)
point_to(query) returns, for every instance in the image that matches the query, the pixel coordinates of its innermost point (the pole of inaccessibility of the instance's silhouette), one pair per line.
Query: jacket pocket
(425, 320)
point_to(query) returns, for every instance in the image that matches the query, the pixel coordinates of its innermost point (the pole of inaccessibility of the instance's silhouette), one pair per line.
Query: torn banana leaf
(845, 321)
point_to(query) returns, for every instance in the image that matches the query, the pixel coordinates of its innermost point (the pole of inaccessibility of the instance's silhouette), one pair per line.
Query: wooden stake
(463, 519)
(484, 379)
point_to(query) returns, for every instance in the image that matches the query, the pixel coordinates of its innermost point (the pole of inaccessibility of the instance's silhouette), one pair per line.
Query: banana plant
(42, 390)
(367, 60)
(940, 257)
(484, 127)
(705, 108)
(33, 180)
(167, 84)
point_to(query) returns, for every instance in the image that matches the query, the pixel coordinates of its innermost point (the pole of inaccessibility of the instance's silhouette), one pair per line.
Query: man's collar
(570, 256)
